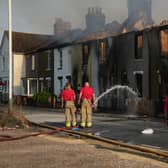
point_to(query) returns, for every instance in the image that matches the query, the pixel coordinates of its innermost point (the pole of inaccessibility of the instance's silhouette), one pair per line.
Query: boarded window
(138, 47)
(164, 42)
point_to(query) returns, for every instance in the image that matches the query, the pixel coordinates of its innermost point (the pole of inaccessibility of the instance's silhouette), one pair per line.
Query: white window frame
(33, 63)
(28, 87)
(60, 59)
(49, 60)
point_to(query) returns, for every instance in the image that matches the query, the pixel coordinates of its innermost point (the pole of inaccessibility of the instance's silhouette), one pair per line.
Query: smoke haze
(38, 16)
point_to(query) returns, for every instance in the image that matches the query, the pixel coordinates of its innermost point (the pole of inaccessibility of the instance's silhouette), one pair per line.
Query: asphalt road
(113, 126)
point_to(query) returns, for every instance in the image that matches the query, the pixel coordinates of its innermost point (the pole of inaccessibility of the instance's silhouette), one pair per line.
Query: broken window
(139, 83)
(85, 53)
(138, 46)
(124, 79)
(86, 50)
(103, 51)
(164, 42)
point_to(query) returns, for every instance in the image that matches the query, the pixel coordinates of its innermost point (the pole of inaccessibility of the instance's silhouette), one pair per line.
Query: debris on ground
(13, 120)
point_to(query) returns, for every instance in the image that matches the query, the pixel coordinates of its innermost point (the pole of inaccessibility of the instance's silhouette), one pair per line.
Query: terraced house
(29, 74)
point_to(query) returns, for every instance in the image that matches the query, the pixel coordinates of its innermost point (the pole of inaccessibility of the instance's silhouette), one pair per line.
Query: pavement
(121, 127)
(58, 152)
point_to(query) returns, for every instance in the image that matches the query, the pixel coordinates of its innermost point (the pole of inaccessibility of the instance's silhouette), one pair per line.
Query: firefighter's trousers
(70, 113)
(86, 113)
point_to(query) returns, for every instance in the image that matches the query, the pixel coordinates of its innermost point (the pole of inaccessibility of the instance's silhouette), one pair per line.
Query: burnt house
(137, 59)
(142, 64)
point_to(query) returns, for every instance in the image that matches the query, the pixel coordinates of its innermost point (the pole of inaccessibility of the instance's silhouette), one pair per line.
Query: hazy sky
(38, 16)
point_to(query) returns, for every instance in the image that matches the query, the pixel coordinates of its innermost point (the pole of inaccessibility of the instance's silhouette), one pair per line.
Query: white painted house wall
(93, 69)
(4, 59)
(4, 64)
(66, 69)
(18, 67)
(72, 60)
(18, 73)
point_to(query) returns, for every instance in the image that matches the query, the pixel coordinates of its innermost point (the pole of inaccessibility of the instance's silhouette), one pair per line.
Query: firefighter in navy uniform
(87, 96)
(68, 98)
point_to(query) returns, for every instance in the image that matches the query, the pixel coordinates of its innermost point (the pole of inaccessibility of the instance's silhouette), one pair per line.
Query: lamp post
(10, 55)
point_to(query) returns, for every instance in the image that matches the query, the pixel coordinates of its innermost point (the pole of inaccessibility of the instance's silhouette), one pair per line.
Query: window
(49, 60)
(33, 87)
(124, 78)
(60, 79)
(41, 85)
(86, 50)
(69, 79)
(164, 42)
(48, 84)
(103, 51)
(138, 47)
(24, 84)
(33, 62)
(85, 54)
(60, 59)
(139, 83)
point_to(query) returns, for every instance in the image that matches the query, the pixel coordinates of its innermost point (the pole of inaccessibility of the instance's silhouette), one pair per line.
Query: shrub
(42, 97)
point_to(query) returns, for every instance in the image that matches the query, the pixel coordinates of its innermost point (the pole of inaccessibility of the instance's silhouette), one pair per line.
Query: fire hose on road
(109, 141)
(54, 129)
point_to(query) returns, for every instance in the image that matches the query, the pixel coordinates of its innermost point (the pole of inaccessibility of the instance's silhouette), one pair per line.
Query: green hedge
(42, 97)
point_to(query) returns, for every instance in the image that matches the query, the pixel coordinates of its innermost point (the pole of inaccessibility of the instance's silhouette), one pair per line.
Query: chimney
(95, 19)
(61, 27)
